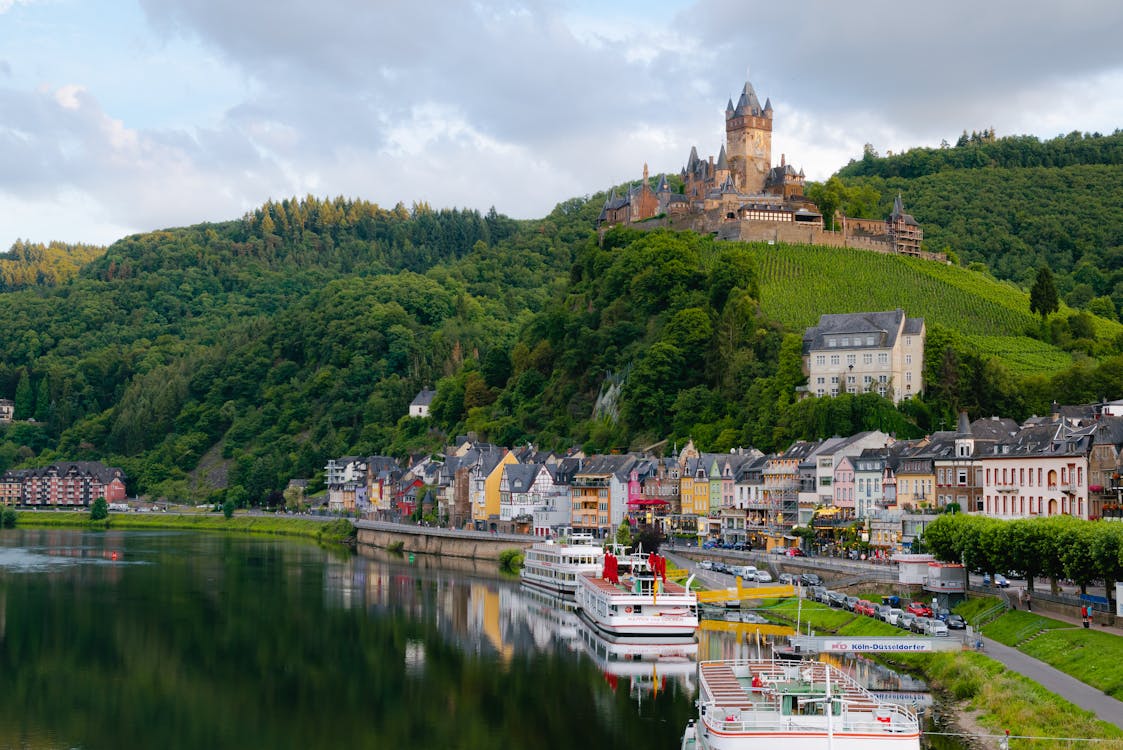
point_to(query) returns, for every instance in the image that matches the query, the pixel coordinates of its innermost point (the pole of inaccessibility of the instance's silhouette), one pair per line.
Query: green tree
(1043, 296)
(25, 397)
(624, 534)
(228, 509)
(99, 510)
(43, 401)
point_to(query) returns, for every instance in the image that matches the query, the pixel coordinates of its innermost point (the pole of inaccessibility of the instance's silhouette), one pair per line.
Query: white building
(419, 407)
(881, 352)
(1041, 471)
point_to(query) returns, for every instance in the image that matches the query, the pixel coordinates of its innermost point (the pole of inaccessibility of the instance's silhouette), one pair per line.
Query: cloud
(515, 104)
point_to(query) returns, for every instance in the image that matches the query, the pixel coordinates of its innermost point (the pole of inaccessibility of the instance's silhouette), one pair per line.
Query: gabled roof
(423, 398)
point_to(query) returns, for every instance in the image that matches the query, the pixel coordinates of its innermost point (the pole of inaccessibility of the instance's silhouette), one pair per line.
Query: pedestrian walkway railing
(988, 615)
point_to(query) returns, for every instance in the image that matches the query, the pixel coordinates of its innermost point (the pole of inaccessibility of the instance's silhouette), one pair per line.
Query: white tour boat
(628, 599)
(787, 705)
(555, 565)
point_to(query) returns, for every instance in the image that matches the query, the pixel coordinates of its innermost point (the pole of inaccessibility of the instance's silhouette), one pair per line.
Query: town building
(7, 410)
(419, 407)
(880, 352)
(74, 484)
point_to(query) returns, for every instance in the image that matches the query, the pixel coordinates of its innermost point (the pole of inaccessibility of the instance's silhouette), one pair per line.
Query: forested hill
(29, 264)
(221, 360)
(1016, 203)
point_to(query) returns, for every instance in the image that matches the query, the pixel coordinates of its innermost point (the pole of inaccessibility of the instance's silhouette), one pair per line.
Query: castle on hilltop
(741, 196)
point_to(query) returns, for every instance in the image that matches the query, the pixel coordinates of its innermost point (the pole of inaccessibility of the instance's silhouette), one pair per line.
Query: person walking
(1084, 615)
(1029, 603)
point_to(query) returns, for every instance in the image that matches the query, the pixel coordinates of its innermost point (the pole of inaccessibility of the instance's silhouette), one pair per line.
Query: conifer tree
(25, 397)
(1043, 296)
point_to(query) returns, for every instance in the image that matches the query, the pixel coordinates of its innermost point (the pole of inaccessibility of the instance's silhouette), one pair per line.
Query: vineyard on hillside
(798, 283)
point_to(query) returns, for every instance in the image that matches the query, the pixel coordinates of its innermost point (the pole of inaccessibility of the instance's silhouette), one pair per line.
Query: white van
(747, 572)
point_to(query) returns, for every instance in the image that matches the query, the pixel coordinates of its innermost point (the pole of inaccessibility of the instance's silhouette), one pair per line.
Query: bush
(99, 511)
(511, 559)
(7, 518)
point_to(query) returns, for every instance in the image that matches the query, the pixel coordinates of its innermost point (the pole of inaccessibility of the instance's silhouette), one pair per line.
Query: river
(194, 640)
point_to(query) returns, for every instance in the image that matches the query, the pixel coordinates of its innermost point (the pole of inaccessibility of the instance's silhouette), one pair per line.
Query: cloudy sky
(119, 116)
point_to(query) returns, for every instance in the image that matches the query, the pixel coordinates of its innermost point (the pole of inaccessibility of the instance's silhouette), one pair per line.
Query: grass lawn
(819, 615)
(1015, 626)
(1007, 700)
(976, 605)
(280, 525)
(1091, 656)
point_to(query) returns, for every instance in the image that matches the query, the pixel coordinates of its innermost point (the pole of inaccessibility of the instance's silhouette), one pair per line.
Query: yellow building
(916, 480)
(484, 480)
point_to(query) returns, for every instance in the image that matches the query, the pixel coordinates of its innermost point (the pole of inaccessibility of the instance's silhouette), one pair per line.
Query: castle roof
(722, 162)
(748, 104)
(899, 213)
(663, 187)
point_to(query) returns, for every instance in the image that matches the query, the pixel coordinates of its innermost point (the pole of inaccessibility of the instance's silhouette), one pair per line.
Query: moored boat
(806, 705)
(555, 565)
(631, 598)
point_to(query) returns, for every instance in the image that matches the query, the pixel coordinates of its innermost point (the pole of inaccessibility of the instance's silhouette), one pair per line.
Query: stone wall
(477, 545)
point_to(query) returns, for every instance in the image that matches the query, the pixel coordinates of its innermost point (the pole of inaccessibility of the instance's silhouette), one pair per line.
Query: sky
(123, 116)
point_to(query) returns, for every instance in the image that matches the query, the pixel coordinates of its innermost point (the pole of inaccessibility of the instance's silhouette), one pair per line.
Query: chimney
(782, 161)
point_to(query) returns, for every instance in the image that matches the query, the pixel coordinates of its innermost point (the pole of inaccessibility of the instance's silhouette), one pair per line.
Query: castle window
(851, 359)
(834, 359)
(820, 359)
(867, 359)
(883, 358)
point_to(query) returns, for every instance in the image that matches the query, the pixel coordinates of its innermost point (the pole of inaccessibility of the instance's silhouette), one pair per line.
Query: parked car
(892, 615)
(904, 620)
(941, 614)
(1000, 581)
(706, 565)
(810, 579)
(779, 550)
(920, 609)
(879, 610)
(851, 601)
(815, 593)
(795, 552)
(919, 624)
(956, 622)
(787, 578)
(763, 576)
(892, 601)
(721, 567)
(836, 599)
(935, 628)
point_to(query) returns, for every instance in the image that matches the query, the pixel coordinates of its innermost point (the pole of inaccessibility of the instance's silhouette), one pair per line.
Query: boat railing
(764, 716)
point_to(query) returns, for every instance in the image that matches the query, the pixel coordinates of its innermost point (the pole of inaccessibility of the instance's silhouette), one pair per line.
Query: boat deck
(669, 587)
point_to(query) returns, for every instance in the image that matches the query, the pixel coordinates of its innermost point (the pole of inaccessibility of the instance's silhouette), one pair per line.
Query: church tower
(748, 137)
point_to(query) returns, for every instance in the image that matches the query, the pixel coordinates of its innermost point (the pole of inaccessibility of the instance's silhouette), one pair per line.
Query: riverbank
(328, 530)
(988, 695)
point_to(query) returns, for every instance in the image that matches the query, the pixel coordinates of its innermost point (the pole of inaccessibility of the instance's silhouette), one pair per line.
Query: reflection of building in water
(548, 618)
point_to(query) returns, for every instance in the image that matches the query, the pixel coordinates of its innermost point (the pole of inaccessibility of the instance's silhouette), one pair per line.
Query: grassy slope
(283, 526)
(799, 282)
(1091, 656)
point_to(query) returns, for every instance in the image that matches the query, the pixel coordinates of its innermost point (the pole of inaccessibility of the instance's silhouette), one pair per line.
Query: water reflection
(188, 640)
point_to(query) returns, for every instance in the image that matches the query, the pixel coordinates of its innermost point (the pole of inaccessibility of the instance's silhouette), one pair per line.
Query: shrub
(511, 559)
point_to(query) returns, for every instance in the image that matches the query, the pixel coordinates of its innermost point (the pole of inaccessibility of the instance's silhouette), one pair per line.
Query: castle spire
(722, 162)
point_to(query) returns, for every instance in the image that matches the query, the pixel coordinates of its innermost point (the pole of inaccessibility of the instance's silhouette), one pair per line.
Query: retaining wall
(476, 545)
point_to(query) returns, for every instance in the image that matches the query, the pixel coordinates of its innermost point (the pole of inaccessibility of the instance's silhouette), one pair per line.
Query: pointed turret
(767, 107)
(748, 104)
(729, 109)
(898, 207)
(964, 427)
(663, 186)
(692, 161)
(722, 162)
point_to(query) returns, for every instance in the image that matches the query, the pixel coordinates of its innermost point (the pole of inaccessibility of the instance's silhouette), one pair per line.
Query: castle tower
(748, 137)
